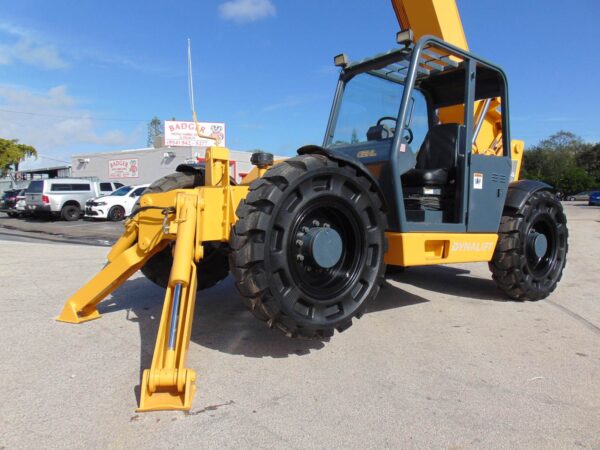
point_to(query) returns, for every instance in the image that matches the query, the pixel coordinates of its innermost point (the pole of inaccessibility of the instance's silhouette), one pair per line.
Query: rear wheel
(70, 212)
(307, 250)
(532, 248)
(212, 268)
(12, 214)
(116, 213)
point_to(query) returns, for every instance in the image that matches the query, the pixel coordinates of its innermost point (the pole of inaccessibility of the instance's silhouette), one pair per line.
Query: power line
(59, 116)
(53, 159)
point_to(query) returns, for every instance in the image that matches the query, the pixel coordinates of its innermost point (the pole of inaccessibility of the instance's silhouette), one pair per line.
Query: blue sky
(262, 66)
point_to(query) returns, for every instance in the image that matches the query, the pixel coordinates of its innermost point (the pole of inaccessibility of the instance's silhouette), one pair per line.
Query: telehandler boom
(416, 168)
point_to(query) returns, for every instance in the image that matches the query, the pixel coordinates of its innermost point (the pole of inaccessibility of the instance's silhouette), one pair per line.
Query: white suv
(115, 206)
(64, 197)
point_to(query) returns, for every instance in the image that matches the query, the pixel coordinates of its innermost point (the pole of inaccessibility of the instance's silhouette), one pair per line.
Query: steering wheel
(386, 118)
(409, 137)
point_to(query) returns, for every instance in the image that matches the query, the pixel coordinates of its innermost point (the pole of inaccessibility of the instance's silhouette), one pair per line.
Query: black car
(7, 203)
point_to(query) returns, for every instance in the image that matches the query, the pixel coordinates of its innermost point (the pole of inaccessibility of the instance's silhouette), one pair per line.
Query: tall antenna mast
(191, 95)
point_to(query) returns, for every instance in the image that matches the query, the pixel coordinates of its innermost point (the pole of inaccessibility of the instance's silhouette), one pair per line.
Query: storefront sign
(183, 134)
(123, 168)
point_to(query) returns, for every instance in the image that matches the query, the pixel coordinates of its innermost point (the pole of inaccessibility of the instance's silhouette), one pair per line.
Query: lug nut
(300, 258)
(299, 242)
(305, 229)
(326, 225)
(315, 223)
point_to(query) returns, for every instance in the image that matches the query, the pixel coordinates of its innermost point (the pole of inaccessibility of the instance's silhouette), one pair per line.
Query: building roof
(45, 169)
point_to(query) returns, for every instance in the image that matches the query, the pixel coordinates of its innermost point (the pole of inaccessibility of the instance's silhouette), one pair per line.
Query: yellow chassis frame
(189, 218)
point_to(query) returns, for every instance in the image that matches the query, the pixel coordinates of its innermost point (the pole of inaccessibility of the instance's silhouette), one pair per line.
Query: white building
(146, 165)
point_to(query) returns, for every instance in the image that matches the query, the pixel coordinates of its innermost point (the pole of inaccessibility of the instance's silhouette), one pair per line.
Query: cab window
(368, 101)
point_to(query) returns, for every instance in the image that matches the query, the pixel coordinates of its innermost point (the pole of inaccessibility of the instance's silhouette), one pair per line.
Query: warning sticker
(477, 180)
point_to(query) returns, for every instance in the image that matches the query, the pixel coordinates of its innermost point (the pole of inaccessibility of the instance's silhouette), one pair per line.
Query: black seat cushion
(423, 177)
(436, 160)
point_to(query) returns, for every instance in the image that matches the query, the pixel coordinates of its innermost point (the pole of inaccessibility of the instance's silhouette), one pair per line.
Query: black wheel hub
(322, 245)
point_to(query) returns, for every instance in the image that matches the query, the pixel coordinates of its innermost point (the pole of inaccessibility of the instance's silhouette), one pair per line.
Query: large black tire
(70, 212)
(212, 268)
(275, 273)
(519, 270)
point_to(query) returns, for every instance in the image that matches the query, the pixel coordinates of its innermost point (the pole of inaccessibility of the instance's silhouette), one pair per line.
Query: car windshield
(121, 191)
(368, 99)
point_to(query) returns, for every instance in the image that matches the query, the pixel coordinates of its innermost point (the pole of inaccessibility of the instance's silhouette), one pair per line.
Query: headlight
(100, 203)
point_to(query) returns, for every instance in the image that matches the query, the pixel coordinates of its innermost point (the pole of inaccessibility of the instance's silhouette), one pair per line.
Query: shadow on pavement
(451, 281)
(223, 323)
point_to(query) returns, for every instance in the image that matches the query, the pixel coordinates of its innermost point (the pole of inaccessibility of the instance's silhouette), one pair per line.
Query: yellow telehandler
(416, 168)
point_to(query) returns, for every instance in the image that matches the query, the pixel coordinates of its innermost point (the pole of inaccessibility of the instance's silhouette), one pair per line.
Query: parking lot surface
(84, 231)
(440, 361)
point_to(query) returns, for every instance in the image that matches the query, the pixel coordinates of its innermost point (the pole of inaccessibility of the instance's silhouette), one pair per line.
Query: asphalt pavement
(439, 361)
(83, 231)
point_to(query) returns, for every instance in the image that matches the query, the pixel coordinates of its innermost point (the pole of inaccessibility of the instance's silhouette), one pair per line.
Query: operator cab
(419, 118)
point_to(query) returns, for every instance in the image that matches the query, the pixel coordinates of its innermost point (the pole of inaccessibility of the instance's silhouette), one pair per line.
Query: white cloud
(287, 103)
(241, 11)
(23, 47)
(56, 122)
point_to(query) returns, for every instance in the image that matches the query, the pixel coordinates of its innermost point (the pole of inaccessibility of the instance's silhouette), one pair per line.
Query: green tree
(575, 179)
(558, 160)
(589, 159)
(12, 153)
(155, 129)
(562, 141)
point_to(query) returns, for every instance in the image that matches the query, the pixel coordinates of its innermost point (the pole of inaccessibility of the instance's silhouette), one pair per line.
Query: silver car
(64, 197)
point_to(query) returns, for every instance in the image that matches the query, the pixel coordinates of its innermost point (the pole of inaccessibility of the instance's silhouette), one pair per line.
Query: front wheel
(307, 250)
(532, 248)
(116, 213)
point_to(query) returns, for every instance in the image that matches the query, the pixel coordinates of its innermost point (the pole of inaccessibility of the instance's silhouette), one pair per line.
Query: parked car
(64, 197)
(581, 196)
(115, 206)
(7, 203)
(21, 204)
(594, 199)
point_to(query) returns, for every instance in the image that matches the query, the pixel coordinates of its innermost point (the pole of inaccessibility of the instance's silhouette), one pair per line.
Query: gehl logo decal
(366, 154)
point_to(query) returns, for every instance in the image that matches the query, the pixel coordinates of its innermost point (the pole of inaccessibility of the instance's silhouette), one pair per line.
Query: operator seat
(436, 160)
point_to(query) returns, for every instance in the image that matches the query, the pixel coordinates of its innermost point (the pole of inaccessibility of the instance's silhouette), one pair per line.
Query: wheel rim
(118, 214)
(322, 283)
(71, 212)
(542, 244)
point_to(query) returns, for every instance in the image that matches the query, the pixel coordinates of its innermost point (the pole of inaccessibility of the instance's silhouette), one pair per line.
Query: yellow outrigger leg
(187, 218)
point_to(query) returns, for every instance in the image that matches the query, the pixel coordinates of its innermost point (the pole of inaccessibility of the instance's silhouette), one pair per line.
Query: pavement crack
(209, 408)
(577, 317)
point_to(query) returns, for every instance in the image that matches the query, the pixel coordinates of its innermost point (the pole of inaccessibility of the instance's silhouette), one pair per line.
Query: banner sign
(123, 168)
(183, 134)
